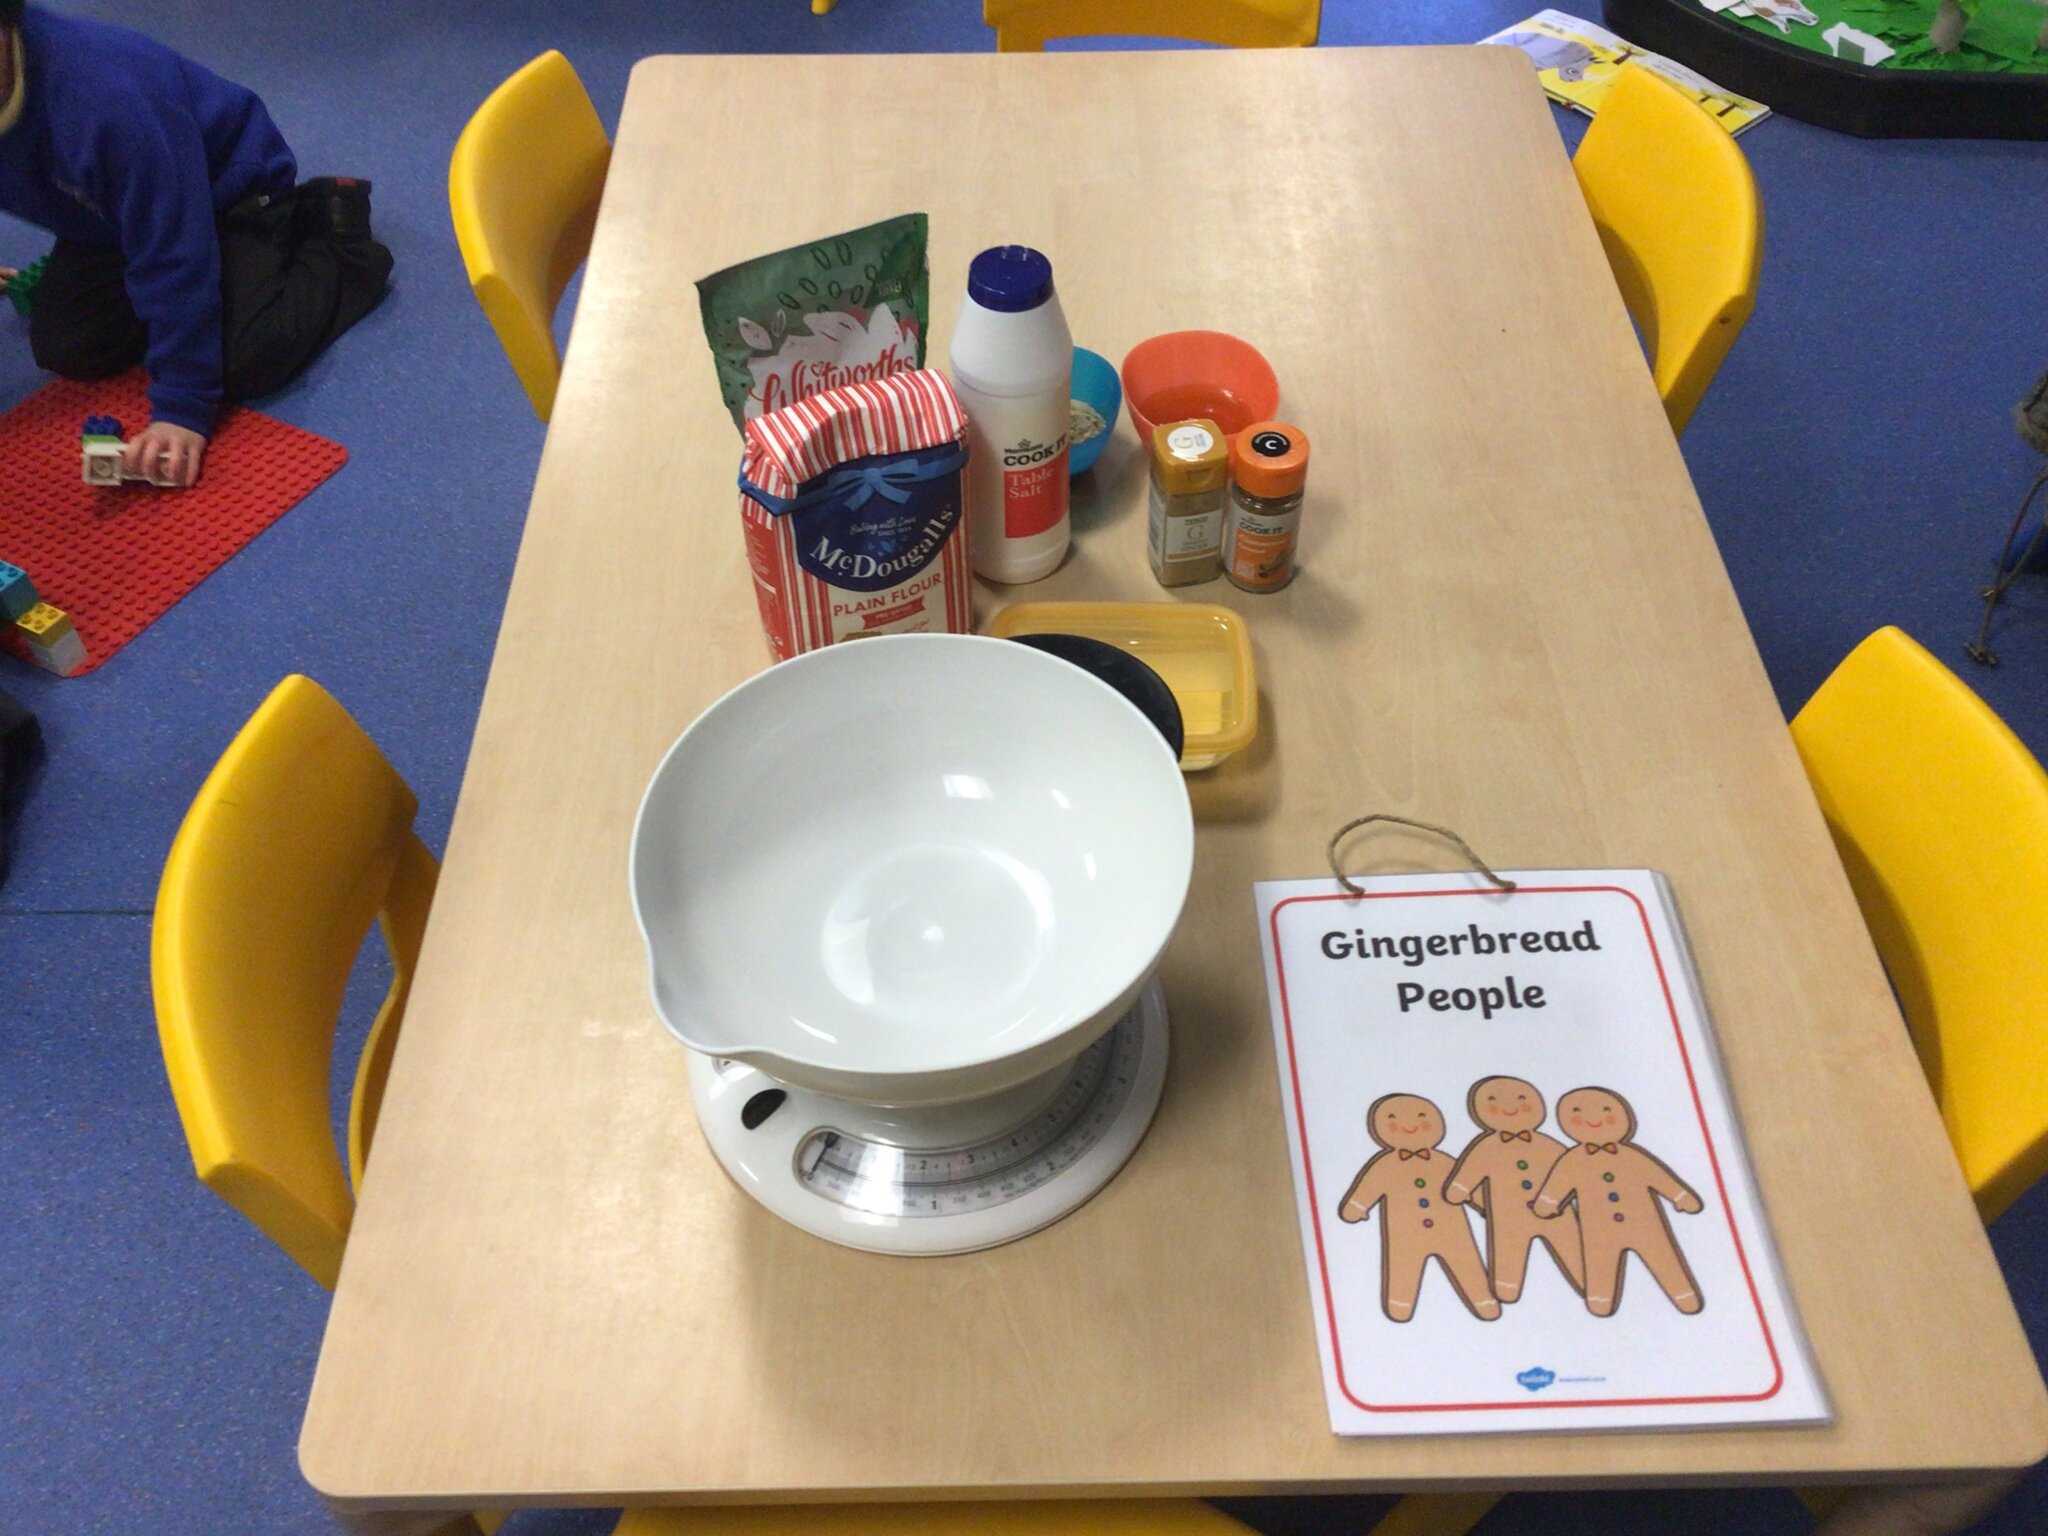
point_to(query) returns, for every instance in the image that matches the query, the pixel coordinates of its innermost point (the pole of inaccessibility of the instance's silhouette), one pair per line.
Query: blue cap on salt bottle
(1009, 278)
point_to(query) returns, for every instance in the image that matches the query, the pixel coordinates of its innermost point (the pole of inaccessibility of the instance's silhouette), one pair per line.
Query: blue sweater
(122, 143)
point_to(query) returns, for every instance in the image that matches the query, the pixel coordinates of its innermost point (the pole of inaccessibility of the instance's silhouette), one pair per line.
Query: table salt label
(1034, 487)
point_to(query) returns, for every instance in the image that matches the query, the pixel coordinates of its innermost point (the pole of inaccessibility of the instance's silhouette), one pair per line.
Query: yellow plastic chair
(1941, 817)
(523, 186)
(299, 839)
(1940, 814)
(1676, 206)
(1026, 26)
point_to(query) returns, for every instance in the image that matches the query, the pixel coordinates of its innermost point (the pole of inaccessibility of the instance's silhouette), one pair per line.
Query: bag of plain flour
(851, 500)
(847, 309)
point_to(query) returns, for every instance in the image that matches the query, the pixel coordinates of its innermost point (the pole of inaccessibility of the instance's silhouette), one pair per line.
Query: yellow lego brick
(44, 625)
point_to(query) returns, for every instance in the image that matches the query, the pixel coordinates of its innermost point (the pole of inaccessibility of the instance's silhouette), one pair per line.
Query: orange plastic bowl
(1198, 373)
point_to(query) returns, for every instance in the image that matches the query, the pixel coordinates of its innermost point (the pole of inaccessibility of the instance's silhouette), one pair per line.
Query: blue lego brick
(102, 427)
(17, 593)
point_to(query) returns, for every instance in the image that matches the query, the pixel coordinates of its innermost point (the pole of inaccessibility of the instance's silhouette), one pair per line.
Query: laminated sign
(1524, 1198)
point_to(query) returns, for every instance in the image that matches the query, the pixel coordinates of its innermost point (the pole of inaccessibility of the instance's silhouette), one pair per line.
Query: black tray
(1864, 99)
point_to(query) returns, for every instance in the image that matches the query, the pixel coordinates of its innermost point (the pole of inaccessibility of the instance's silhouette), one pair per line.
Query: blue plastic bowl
(1095, 384)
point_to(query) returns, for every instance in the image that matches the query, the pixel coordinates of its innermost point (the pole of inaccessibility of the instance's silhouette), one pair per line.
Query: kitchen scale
(916, 968)
(939, 1178)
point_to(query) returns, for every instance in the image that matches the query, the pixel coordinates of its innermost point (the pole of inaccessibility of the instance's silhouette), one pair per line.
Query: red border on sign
(1692, 1084)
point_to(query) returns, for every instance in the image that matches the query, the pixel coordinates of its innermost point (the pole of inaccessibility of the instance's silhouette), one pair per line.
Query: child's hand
(167, 455)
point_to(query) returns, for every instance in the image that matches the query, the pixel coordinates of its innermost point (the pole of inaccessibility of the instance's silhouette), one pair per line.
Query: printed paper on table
(1524, 1198)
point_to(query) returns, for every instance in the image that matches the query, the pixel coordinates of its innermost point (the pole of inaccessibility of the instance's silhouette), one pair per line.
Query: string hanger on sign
(1349, 827)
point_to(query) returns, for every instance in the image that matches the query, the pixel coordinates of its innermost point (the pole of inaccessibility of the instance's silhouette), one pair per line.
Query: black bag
(21, 741)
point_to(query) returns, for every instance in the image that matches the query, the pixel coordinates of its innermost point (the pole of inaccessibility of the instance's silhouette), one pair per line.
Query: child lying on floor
(183, 240)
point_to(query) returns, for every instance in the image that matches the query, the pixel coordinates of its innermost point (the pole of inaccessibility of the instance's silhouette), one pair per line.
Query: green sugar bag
(841, 310)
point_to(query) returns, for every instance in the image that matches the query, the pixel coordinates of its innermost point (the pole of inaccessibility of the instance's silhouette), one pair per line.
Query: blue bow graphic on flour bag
(875, 521)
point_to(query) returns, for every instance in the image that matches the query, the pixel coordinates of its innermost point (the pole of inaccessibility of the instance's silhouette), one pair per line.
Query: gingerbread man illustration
(1406, 1179)
(1499, 1173)
(1615, 1186)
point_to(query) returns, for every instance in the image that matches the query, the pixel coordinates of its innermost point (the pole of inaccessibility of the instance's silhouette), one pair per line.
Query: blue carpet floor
(1856, 458)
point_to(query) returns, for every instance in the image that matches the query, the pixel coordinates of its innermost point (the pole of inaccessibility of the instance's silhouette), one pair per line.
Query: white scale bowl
(910, 870)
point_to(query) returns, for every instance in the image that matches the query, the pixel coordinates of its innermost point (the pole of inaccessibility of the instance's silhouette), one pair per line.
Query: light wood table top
(1511, 617)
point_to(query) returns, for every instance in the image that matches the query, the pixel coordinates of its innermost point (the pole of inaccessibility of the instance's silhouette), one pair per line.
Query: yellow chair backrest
(1676, 207)
(1025, 26)
(299, 838)
(1941, 816)
(523, 186)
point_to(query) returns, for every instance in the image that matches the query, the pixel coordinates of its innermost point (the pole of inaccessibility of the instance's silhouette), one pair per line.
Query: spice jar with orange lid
(1268, 468)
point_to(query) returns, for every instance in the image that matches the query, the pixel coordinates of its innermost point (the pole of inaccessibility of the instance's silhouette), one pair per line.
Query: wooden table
(1511, 617)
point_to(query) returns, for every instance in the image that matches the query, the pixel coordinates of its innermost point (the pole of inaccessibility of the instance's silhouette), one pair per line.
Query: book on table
(1524, 1198)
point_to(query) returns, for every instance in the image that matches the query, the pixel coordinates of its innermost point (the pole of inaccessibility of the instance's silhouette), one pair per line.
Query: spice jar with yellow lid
(1190, 469)
(1268, 468)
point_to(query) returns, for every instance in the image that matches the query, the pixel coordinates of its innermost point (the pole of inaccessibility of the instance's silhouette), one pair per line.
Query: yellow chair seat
(1676, 206)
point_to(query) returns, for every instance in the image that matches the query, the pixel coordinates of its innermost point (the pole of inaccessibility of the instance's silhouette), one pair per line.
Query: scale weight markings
(889, 1181)
(871, 1175)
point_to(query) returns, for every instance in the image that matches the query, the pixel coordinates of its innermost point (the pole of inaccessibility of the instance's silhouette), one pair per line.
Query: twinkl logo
(1536, 1378)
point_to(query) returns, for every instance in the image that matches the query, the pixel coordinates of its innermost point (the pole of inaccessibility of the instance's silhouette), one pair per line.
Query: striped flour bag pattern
(851, 501)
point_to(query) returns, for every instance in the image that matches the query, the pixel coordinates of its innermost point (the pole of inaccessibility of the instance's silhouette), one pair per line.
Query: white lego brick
(63, 656)
(102, 463)
(103, 467)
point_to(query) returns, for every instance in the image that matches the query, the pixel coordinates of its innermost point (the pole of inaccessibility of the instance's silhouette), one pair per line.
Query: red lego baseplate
(117, 558)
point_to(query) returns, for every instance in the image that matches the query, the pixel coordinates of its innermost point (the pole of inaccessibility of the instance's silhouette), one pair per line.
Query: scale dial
(905, 1181)
(877, 1176)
